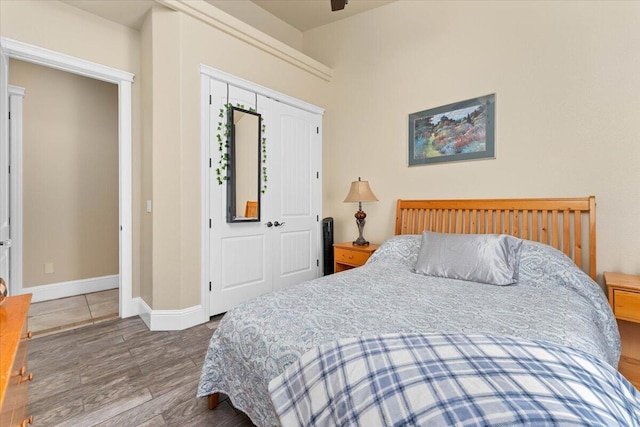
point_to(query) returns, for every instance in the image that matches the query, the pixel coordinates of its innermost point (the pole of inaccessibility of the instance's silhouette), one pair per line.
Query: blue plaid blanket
(451, 380)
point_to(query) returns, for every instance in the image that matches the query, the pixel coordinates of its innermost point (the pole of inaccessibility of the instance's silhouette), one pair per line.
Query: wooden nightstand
(624, 298)
(624, 295)
(347, 255)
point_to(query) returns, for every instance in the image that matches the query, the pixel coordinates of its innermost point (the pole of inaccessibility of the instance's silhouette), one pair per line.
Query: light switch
(149, 206)
(48, 268)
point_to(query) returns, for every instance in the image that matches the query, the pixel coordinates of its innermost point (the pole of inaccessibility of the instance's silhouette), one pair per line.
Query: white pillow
(484, 258)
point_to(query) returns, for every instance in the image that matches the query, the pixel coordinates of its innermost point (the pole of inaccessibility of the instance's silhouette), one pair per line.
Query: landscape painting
(460, 131)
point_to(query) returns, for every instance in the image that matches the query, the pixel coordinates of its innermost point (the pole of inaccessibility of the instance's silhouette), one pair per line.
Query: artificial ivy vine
(223, 162)
(223, 145)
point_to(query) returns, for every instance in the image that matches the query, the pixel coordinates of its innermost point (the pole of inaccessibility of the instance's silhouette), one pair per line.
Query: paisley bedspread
(553, 301)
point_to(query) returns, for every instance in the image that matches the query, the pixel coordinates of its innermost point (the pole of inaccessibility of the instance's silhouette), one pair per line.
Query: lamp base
(360, 242)
(360, 221)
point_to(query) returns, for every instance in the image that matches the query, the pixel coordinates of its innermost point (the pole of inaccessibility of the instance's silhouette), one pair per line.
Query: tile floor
(63, 314)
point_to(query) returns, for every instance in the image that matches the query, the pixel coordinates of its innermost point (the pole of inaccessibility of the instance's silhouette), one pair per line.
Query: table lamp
(360, 192)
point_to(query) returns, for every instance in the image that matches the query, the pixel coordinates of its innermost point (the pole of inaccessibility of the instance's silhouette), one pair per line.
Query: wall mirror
(243, 184)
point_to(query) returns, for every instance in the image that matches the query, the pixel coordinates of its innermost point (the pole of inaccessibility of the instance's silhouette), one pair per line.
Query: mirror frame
(232, 167)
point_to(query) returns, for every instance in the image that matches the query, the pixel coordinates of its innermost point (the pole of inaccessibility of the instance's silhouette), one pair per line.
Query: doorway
(65, 129)
(18, 50)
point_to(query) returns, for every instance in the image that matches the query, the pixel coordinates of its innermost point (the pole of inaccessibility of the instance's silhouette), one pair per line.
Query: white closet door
(294, 152)
(241, 266)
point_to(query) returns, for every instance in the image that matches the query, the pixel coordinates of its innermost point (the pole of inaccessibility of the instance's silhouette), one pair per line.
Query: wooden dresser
(14, 375)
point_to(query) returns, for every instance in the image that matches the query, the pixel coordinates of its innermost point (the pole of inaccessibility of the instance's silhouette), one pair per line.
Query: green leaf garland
(223, 145)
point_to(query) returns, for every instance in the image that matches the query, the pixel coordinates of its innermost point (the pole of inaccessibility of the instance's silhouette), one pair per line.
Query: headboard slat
(525, 218)
(577, 232)
(506, 222)
(554, 229)
(566, 223)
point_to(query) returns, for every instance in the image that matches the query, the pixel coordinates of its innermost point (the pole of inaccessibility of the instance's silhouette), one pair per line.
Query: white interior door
(248, 259)
(241, 266)
(294, 147)
(5, 241)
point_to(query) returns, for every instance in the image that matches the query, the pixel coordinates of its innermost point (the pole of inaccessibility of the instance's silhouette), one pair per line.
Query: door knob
(278, 224)
(270, 224)
(6, 243)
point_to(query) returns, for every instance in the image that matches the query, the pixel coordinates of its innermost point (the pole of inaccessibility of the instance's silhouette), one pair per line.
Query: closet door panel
(240, 261)
(293, 169)
(296, 247)
(295, 158)
(235, 252)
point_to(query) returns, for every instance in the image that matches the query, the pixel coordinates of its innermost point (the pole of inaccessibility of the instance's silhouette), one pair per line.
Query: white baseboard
(169, 320)
(136, 308)
(156, 320)
(143, 310)
(72, 288)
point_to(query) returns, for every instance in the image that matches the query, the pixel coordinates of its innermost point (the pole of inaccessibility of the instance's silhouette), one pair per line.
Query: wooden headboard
(568, 225)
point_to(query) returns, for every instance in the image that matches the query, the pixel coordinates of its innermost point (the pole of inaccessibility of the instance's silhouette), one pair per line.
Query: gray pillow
(485, 258)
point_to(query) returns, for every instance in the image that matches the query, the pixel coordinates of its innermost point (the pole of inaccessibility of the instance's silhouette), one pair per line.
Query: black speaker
(327, 245)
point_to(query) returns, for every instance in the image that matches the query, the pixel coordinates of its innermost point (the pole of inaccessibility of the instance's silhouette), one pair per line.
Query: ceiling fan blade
(338, 4)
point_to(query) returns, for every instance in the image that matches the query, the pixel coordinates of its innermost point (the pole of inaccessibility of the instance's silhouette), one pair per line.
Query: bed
(554, 300)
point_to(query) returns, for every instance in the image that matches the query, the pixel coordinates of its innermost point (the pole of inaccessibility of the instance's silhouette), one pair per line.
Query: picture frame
(463, 130)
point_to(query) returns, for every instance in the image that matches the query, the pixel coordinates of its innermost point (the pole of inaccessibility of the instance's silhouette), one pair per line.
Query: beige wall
(565, 73)
(70, 175)
(165, 163)
(63, 28)
(146, 190)
(202, 44)
(567, 79)
(165, 56)
(259, 18)
(176, 138)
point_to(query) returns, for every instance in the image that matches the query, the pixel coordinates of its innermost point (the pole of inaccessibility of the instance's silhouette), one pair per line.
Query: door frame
(207, 140)
(16, 100)
(10, 48)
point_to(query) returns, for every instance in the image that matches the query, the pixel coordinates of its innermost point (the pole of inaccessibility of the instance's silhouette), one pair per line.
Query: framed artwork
(461, 131)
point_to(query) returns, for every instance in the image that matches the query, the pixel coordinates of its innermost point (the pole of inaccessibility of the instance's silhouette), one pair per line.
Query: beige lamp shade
(360, 192)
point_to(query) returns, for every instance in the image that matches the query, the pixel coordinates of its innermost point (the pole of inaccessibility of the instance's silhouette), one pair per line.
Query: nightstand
(624, 298)
(624, 295)
(347, 255)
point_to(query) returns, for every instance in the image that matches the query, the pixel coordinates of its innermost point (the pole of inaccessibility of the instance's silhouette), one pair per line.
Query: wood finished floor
(630, 368)
(118, 373)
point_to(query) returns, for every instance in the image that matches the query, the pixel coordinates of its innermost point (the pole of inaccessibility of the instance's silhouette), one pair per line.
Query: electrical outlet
(48, 268)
